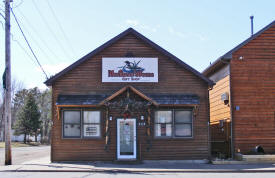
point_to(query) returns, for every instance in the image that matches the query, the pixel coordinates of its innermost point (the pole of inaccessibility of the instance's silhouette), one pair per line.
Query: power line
(28, 44)
(37, 34)
(49, 28)
(17, 5)
(60, 27)
(21, 46)
(35, 41)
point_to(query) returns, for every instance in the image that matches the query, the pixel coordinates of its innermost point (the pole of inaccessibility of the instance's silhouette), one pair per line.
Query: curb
(152, 171)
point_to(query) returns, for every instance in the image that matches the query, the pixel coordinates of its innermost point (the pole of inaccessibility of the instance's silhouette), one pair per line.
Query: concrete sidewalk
(44, 165)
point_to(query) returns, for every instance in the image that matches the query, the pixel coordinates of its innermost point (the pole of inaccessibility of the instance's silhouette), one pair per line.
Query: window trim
(173, 124)
(81, 110)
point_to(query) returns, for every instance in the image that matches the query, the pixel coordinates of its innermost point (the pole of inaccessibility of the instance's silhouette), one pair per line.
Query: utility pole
(7, 112)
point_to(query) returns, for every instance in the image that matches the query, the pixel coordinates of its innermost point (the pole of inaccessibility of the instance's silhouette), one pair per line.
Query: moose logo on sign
(129, 70)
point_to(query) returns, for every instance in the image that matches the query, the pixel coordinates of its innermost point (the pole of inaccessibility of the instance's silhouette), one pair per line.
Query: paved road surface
(23, 154)
(138, 175)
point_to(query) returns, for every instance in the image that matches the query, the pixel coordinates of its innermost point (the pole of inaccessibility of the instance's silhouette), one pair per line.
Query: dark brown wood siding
(86, 79)
(253, 90)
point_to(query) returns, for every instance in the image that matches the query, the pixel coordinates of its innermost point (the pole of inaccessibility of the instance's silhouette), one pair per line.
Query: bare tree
(16, 85)
(45, 109)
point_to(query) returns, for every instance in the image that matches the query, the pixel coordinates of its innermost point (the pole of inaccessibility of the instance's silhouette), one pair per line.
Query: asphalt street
(23, 154)
(133, 175)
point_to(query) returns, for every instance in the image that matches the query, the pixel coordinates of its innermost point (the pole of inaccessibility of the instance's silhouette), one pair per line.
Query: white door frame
(134, 156)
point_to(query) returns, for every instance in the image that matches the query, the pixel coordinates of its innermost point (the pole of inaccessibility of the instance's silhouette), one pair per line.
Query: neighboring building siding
(220, 114)
(218, 110)
(253, 89)
(86, 79)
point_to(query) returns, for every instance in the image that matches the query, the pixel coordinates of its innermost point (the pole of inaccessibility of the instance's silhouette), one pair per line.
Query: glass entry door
(126, 139)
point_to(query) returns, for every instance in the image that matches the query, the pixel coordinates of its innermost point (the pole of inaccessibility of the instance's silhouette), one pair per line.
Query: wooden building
(129, 99)
(242, 103)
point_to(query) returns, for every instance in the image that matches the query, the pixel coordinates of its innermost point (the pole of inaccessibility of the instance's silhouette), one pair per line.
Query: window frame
(81, 110)
(63, 124)
(83, 123)
(173, 124)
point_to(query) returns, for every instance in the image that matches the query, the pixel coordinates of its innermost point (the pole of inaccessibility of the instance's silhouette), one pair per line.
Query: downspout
(208, 124)
(231, 110)
(231, 114)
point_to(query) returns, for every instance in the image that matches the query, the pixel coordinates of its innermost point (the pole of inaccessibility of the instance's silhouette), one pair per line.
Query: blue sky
(197, 32)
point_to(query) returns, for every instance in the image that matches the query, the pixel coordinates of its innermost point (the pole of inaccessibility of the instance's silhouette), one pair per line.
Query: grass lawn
(19, 144)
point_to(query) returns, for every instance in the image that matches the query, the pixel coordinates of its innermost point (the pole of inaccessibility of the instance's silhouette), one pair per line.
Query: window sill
(173, 138)
(84, 138)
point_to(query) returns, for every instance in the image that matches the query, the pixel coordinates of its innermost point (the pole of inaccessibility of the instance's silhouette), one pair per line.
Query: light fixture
(142, 118)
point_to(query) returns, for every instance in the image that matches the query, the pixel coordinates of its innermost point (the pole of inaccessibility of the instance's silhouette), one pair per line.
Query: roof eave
(221, 61)
(228, 56)
(50, 81)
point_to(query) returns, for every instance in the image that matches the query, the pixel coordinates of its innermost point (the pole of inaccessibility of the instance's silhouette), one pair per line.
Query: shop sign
(133, 69)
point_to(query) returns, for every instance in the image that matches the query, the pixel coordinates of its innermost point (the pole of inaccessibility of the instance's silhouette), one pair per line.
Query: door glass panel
(126, 137)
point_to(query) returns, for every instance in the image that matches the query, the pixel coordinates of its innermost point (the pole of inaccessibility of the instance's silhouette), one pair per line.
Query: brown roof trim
(51, 80)
(228, 56)
(123, 90)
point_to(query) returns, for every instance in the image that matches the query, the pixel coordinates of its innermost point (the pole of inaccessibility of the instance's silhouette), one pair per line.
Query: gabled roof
(51, 80)
(228, 56)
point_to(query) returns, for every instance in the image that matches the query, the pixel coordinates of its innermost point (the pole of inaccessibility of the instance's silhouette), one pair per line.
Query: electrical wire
(50, 29)
(17, 5)
(35, 42)
(60, 27)
(37, 34)
(29, 44)
(22, 47)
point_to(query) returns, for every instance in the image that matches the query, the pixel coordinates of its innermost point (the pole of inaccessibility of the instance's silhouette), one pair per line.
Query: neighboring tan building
(242, 103)
(129, 99)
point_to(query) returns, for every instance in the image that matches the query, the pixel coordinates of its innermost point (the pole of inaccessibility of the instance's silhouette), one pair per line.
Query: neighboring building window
(173, 123)
(81, 124)
(163, 123)
(91, 123)
(72, 124)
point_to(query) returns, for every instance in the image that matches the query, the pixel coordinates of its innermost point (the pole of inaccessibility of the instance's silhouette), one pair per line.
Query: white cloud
(177, 33)
(54, 68)
(135, 23)
(146, 27)
(132, 22)
(41, 86)
(201, 37)
(189, 35)
(50, 69)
